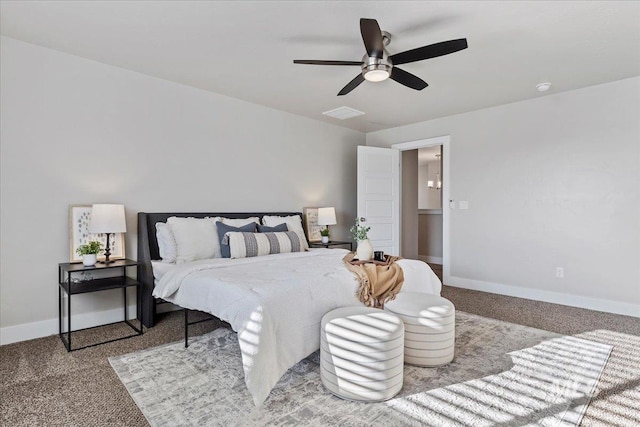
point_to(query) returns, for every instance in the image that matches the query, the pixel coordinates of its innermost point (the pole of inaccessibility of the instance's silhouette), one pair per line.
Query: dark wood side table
(331, 243)
(69, 284)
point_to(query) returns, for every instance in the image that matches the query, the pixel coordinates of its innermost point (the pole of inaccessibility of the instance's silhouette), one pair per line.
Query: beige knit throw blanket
(379, 281)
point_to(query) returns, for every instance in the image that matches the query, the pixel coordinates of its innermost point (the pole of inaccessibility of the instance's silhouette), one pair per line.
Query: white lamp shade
(326, 216)
(107, 219)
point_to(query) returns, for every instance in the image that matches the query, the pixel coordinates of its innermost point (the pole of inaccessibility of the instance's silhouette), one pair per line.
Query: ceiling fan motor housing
(376, 69)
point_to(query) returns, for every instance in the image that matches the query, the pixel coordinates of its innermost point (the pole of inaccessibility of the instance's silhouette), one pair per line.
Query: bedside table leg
(59, 312)
(61, 334)
(69, 322)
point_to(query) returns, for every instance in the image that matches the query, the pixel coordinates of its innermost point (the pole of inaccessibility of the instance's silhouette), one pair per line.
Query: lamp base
(107, 252)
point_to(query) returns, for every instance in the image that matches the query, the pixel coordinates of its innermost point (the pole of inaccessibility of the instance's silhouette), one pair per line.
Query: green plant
(91, 248)
(325, 232)
(359, 231)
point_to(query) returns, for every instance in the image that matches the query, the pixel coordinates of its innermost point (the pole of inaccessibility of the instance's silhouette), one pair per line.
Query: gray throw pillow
(224, 228)
(275, 229)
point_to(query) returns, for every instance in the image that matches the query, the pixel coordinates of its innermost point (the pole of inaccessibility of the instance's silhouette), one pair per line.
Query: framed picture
(79, 219)
(311, 224)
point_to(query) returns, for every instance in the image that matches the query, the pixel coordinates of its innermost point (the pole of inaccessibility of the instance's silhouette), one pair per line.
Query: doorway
(429, 204)
(418, 205)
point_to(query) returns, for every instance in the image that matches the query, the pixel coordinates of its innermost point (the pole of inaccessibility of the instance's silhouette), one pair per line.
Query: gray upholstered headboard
(148, 251)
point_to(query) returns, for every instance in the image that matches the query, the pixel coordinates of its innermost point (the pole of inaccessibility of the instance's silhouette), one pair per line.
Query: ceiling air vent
(343, 113)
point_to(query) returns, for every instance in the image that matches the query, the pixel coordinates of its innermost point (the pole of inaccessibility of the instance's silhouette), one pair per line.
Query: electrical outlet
(559, 272)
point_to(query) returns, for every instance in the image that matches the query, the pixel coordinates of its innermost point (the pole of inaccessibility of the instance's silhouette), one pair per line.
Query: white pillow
(294, 223)
(196, 238)
(166, 242)
(239, 222)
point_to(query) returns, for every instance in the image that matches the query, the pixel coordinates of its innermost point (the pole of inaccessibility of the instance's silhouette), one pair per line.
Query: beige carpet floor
(43, 385)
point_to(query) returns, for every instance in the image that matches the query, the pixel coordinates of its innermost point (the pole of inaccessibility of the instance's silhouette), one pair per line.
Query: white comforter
(275, 303)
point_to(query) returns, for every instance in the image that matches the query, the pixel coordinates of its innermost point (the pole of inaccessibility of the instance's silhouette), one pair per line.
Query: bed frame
(148, 251)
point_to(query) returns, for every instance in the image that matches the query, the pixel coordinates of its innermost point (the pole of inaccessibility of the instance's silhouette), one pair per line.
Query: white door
(379, 196)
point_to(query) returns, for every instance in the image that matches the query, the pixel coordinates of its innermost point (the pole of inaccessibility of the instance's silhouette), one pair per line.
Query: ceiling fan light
(377, 75)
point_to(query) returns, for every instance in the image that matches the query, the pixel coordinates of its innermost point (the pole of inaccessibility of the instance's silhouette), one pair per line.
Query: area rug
(503, 374)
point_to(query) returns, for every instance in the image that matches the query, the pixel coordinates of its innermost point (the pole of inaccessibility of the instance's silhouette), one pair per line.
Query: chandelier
(438, 183)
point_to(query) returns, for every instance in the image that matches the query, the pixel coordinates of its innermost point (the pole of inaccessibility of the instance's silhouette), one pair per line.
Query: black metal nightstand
(66, 272)
(331, 243)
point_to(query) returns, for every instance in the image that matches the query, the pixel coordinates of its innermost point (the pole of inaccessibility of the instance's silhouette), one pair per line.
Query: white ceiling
(245, 49)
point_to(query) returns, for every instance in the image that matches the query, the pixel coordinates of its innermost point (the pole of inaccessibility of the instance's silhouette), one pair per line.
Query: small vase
(364, 252)
(325, 239)
(89, 260)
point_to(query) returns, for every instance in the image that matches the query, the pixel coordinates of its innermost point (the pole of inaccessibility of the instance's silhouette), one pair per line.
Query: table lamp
(107, 219)
(326, 217)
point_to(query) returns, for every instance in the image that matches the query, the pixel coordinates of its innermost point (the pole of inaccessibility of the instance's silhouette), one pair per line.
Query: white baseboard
(44, 328)
(609, 306)
(430, 259)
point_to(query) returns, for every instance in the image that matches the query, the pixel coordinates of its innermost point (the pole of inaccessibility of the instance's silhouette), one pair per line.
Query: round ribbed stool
(429, 322)
(362, 353)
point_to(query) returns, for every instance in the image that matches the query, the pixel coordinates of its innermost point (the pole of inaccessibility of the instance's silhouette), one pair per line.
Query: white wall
(551, 182)
(75, 131)
(430, 236)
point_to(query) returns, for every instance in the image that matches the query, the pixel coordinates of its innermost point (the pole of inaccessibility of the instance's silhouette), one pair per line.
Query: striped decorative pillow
(245, 245)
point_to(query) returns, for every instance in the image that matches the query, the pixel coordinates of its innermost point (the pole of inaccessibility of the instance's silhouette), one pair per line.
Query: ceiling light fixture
(377, 69)
(543, 87)
(438, 183)
(438, 180)
(376, 75)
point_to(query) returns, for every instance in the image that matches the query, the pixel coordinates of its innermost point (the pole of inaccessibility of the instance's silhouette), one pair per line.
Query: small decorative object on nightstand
(89, 253)
(107, 219)
(70, 284)
(326, 217)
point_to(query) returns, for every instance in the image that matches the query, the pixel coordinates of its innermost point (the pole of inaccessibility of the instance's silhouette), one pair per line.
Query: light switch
(463, 204)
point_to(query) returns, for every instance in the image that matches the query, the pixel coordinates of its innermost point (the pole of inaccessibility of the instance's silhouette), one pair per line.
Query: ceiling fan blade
(351, 85)
(372, 37)
(314, 62)
(430, 51)
(407, 79)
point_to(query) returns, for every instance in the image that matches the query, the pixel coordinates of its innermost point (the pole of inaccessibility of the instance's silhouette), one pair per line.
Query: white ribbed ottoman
(429, 322)
(362, 353)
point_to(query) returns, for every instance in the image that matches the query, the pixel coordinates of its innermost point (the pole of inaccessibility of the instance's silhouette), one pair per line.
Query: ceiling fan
(377, 65)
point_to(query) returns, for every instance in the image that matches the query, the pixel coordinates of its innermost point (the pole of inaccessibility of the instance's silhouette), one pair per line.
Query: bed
(274, 302)
(148, 251)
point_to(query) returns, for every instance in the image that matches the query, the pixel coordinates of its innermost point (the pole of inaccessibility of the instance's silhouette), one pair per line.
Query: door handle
(363, 219)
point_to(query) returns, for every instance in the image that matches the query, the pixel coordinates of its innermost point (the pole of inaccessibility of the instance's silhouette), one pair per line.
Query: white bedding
(275, 303)
(160, 268)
